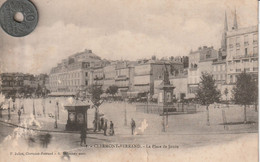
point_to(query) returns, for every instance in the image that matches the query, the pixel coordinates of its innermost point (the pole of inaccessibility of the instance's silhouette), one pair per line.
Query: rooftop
(241, 31)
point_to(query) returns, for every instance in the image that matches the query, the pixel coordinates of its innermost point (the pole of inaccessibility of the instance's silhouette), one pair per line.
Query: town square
(132, 84)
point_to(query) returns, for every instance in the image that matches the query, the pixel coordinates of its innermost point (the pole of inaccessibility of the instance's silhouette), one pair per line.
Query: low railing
(158, 109)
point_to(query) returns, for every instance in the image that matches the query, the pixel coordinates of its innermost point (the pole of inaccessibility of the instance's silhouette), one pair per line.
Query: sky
(120, 29)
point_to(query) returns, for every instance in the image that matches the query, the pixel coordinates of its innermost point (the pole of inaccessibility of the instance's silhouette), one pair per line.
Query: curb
(44, 130)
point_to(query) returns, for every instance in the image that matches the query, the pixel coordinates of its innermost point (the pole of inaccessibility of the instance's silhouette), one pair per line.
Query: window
(255, 50)
(255, 38)
(238, 70)
(246, 40)
(238, 52)
(86, 74)
(86, 82)
(247, 69)
(246, 51)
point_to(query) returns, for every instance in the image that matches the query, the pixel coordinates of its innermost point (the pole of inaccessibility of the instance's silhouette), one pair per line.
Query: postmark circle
(18, 28)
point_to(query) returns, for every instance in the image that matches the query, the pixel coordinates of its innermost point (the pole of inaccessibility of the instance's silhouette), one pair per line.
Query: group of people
(102, 124)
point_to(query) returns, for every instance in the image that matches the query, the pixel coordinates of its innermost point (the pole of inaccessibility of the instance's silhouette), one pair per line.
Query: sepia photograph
(129, 80)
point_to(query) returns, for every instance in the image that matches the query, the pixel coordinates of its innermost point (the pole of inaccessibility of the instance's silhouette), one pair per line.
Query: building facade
(109, 75)
(124, 77)
(18, 84)
(242, 52)
(75, 73)
(200, 62)
(145, 73)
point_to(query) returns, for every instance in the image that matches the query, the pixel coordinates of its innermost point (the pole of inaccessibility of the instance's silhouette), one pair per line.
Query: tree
(244, 91)
(207, 92)
(96, 92)
(113, 89)
(226, 94)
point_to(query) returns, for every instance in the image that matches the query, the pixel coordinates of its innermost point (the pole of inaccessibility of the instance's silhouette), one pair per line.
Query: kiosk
(77, 114)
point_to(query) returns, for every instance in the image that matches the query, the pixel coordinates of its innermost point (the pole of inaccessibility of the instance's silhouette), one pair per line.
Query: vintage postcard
(129, 80)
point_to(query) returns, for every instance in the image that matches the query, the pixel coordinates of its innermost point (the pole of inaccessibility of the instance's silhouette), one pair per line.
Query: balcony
(241, 57)
(98, 78)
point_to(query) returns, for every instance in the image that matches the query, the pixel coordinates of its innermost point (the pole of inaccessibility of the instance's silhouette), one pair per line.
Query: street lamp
(125, 113)
(9, 113)
(55, 123)
(43, 102)
(34, 110)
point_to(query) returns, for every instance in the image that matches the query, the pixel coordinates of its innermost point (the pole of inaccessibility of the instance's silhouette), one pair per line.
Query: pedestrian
(112, 132)
(19, 115)
(133, 126)
(105, 128)
(83, 136)
(94, 125)
(102, 123)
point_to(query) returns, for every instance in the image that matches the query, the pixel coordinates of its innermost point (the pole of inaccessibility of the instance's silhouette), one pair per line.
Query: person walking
(83, 136)
(94, 125)
(112, 132)
(105, 128)
(19, 115)
(102, 123)
(133, 126)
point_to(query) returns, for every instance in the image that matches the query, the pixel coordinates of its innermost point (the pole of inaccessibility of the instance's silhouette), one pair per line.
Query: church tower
(224, 35)
(235, 27)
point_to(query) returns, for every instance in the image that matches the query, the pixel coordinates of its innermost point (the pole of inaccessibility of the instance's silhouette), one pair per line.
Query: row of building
(87, 69)
(238, 53)
(15, 83)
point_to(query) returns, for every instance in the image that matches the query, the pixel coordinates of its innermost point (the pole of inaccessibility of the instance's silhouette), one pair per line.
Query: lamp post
(125, 113)
(34, 110)
(9, 113)
(58, 110)
(43, 103)
(55, 123)
(1, 109)
(23, 106)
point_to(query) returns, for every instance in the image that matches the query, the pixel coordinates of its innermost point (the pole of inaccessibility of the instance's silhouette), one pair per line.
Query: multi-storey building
(242, 53)
(200, 61)
(15, 83)
(110, 75)
(124, 77)
(148, 71)
(179, 82)
(75, 73)
(98, 76)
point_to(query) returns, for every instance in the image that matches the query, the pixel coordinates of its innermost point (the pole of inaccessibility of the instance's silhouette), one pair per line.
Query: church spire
(225, 23)
(224, 34)
(235, 20)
